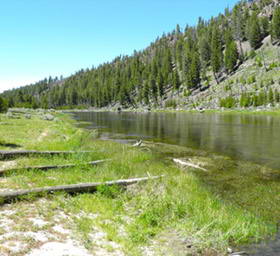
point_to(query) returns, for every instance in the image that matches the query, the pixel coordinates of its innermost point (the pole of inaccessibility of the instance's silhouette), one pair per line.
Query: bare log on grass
(4, 155)
(49, 167)
(188, 164)
(74, 188)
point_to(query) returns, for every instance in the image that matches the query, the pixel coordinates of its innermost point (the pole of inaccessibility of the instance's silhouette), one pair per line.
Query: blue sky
(39, 38)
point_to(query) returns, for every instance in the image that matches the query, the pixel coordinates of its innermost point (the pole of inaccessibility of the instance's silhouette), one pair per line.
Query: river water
(240, 136)
(250, 137)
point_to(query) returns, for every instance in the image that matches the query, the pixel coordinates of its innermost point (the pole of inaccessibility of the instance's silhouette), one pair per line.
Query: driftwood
(188, 164)
(74, 188)
(4, 155)
(138, 143)
(49, 167)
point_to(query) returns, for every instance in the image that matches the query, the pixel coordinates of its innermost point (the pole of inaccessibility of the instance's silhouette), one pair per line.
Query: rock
(27, 116)
(48, 117)
(9, 114)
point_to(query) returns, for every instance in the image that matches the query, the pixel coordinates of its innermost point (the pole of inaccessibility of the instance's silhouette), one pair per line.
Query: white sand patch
(40, 236)
(68, 248)
(7, 212)
(55, 234)
(43, 135)
(7, 165)
(13, 246)
(60, 216)
(60, 229)
(99, 239)
(38, 222)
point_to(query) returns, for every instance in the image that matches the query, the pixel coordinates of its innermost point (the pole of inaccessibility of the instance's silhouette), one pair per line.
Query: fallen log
(49, 167)
(188, 164)
(138, 143)
(4, 155)
(73, 188)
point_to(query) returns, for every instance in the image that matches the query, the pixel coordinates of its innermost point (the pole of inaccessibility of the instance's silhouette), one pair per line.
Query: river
(241, 136)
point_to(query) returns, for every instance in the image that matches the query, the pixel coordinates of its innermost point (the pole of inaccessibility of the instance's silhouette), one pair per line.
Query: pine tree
(153, 86)
(175, 80)
(205, 50)
(3, 105)
(194, 72)
(231, 52)
(216, 52)
(265, 27)
(146, 93)
(238, 26)
(275, 26)
(276, 96)
(254, 31)
(270, 96)
(160, 85)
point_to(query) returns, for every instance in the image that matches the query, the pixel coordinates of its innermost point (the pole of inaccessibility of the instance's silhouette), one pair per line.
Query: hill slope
(229, 61)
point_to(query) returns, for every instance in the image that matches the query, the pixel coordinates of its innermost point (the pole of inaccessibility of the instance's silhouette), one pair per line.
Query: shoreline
(143, 110)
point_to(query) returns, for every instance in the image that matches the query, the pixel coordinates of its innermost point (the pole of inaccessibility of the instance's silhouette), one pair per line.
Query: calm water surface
(248, 137)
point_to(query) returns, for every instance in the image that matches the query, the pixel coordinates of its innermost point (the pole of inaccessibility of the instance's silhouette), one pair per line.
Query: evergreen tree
(231, 53)
(3, 105)
(265, 27)
(276, 96)
(205, 50)
(275, 26)
(153, 86)
(160, 85)
(194, 72)
(254, 31)
(175, 80)
(216, 52)
(146, 93)
(270, 96)
(238, 26)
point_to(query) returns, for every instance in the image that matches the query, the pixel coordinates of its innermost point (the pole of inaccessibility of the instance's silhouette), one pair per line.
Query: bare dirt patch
(37, 229)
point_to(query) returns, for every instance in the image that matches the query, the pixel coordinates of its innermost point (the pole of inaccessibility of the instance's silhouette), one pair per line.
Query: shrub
(228, 102)
(252, 54)
(186, 93)
(259, 62)
(272, 66)
(245, 100)
(171, 103)
(251, 79)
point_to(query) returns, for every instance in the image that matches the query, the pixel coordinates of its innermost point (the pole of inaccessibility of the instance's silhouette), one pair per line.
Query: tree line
(177, 61)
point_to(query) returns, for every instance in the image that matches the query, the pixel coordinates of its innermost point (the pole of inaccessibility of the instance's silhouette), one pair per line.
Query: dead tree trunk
(4, 155)
(49, 167)
(74, 188)
(188, 164)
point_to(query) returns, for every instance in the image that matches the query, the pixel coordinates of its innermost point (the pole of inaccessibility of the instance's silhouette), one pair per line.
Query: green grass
(234, 203)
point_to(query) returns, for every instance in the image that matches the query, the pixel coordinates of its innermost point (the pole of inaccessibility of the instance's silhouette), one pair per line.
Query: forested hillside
(232, 60)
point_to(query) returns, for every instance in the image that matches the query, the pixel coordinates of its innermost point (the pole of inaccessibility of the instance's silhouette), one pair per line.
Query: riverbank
(270, 111)
(187, 211)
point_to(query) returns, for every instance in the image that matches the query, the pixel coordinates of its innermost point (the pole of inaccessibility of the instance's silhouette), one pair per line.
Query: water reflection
(242, 136)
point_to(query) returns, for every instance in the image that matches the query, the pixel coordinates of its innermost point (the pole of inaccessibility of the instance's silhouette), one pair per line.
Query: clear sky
(39, 38)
